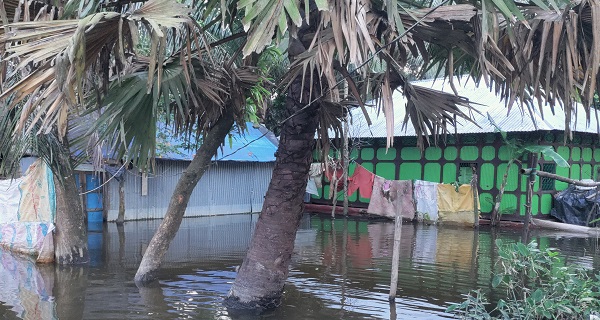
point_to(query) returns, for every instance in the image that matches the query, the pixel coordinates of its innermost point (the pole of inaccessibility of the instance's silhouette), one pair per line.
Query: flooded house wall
(488, 153)
(226, 188)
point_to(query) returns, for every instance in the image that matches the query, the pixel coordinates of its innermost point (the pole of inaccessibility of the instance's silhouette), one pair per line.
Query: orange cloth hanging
(362, 179)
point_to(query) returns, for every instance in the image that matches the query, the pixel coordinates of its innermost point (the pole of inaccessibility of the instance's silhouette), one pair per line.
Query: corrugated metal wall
(226, 188)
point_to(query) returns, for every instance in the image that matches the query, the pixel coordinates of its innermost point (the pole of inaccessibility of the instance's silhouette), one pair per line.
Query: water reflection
(26, 289)
(340, 269)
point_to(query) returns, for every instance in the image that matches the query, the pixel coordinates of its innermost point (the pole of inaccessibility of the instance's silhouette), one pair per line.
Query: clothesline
(424, 200)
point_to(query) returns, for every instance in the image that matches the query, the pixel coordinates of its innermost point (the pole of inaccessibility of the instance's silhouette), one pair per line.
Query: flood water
(340, 270)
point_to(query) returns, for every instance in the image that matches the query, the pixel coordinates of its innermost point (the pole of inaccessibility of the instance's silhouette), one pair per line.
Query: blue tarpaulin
(251, 145)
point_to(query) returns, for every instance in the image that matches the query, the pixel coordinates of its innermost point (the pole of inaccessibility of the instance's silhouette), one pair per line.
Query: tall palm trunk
(261, 278)
(161, 240)
(70, 237)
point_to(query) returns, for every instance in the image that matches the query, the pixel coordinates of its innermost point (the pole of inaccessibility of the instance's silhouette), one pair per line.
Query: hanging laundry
(315, 178)
(362, 179)
(427, 200)
(316, 173)
(311, 187)
(336, 183)
(456, 206)
(391, 196)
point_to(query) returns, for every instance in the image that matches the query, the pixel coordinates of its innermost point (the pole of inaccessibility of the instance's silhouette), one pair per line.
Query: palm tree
(186, 76)
(522, 52)
(325, 41)
(361, 44)
(57, 67)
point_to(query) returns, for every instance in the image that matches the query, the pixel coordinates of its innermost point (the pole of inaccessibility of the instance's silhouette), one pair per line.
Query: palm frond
(13, 147)
(548, 58)
(129, 114)
(63, 52)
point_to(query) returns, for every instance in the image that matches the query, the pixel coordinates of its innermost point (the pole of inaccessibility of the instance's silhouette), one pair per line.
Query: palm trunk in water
(70, 236)
(261, 278)
(161, 240)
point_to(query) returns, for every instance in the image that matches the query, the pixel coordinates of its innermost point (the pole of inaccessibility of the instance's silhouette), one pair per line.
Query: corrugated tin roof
(489, 103)
(252, 145)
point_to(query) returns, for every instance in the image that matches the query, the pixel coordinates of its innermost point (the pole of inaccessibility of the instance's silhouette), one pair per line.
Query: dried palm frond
(63, 52)
(550, 58)
(347, 37)
(14, 147)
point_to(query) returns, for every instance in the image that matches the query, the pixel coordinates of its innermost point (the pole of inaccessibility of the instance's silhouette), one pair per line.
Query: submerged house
(476, 145)
(236, 182)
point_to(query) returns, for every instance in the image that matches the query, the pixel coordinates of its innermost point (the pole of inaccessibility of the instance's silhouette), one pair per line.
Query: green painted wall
(443, 164)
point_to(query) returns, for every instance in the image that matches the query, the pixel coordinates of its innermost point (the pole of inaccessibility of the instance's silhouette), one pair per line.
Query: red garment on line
(362, 179)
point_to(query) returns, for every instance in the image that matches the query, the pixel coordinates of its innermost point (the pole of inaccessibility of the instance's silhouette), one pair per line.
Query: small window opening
(465, 173)
(547, 184)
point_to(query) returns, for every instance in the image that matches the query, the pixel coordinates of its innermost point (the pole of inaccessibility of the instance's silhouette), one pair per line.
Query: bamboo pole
(496, 212)
(529, 198)
(475, 197)
(346, 162)
(560, 178)
(396, 256)
(546, 224)
(121, 216)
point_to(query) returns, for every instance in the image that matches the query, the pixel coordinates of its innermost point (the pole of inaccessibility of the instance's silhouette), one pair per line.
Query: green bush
(538, 285)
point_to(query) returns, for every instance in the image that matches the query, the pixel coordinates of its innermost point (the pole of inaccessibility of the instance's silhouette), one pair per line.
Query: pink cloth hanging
(362, 179)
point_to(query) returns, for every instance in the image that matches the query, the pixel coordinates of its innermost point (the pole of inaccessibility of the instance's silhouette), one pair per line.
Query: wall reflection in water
(340, 269)
(25, 289)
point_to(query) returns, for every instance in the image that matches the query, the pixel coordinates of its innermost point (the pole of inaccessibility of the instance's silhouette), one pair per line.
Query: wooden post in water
(529, 197)
(475, 197)
(396, 256)
(346, 161)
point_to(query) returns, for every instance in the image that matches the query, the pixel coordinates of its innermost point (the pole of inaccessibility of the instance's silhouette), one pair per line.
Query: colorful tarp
(28, 212)
(37, 194)
(10, 196)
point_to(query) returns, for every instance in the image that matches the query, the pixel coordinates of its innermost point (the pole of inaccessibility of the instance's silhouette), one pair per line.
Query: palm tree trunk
(496, 212)
(121, 216)
(70, 236)
(261, 278)
(159, 244)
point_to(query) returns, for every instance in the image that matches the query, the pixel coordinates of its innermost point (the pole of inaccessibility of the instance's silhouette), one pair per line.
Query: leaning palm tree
(54, 66)
(199, 87)
(130, 117)
(545, 52)
(353, 43)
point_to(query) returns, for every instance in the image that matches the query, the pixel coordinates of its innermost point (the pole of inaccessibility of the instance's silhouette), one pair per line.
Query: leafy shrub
(538, 285)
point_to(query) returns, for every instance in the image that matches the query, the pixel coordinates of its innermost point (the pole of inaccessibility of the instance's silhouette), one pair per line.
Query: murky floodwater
(341, 270)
